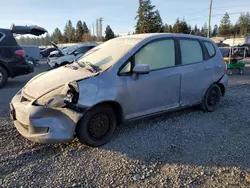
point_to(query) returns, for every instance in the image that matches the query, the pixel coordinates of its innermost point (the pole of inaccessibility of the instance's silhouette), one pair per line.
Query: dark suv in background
(12, 57)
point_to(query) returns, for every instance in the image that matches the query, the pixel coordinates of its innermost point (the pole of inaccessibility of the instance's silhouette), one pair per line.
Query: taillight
(20, 53)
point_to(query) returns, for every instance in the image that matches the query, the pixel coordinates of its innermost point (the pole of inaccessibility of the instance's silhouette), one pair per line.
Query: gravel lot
(188, 148)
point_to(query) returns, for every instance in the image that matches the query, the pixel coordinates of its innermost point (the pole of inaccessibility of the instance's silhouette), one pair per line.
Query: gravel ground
(189, 148)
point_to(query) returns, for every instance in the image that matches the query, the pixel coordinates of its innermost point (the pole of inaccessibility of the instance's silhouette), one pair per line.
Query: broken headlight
(60, 97)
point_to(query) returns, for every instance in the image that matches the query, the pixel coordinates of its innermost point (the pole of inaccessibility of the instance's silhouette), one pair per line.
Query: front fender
(94, 90)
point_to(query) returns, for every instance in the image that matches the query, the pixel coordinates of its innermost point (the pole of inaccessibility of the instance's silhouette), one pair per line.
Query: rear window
(210, 48)
(191, 51)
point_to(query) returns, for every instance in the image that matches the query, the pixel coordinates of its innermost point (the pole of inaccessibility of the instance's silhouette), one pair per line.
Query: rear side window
(1, 36)
(158, 55)
(191, 51)
(210, 48)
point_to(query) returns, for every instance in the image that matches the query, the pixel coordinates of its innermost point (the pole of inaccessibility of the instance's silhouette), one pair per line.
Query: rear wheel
(3, 76)
(211, 99)
(97, 126)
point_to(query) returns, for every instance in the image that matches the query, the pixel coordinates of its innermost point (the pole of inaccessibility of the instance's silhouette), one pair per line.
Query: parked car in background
(69, 54)
(121, 80)
(12, 56)
(47, 51)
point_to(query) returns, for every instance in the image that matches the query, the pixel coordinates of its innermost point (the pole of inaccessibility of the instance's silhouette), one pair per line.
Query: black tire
(97, 126)
(212, 98)
(3, 76)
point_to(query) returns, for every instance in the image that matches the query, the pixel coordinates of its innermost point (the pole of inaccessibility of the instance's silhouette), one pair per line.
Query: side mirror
(141, 69)
(76, 53)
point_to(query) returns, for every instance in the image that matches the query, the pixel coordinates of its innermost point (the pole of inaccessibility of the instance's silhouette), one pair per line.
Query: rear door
(196, 71)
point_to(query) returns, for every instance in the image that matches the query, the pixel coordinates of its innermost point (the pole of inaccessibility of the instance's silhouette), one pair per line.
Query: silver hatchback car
(118, 81)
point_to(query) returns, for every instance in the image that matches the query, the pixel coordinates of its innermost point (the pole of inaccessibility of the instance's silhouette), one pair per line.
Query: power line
(220, 7)
(220, 14)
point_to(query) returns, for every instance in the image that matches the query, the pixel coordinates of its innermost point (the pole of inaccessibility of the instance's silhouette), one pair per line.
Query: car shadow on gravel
(189, 137)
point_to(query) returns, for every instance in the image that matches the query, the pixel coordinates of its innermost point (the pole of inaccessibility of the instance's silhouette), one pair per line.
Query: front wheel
(212, 98)
(97, 126)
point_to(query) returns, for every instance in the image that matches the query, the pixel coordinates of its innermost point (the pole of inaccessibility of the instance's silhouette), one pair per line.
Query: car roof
(162, 35)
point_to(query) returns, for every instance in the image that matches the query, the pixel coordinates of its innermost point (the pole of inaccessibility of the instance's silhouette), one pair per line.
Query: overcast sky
(119, 14)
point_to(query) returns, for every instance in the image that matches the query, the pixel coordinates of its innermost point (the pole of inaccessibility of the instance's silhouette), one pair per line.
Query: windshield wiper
(93, 67)
(79, 64)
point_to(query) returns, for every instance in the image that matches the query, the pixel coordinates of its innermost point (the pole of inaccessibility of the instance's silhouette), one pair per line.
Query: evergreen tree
(85, 28)
(167, 28)
(204, 30)
(47, 39)
(225, 26)
(215, 31)
(69, 32)
(242, 26)
(181, 26)
(196, 30)
(170, 28)
(109, 34)
(57, 36)
(148, 19)
(79, 31)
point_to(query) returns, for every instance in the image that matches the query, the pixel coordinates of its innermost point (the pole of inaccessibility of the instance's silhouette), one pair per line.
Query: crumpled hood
(46, 82)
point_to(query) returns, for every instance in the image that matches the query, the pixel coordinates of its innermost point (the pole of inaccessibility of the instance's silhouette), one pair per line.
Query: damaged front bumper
(43, 124)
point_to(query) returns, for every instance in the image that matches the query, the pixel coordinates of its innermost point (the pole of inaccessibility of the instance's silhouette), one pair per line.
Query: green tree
(168, 28)
(47, 39)
(181, 26)
(69, 32)
(148, 19)
(85, 28)
(242, 26)
(204, 29)
(215, 30)
(109, 34)
(56, 35)
(196, 30)
(225, 26)
(79, 31)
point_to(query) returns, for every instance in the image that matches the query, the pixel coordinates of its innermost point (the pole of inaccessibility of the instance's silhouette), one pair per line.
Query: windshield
(108, 53)
(70, 49)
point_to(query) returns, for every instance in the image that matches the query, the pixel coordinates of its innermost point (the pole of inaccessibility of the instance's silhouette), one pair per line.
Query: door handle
(208, 68)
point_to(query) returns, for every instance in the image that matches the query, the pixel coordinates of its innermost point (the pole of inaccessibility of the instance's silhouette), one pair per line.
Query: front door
(159, 90)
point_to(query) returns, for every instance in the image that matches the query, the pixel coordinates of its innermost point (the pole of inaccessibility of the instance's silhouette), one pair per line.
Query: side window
(191, 51)
(158, 55)
(126, 69)
(82, 50)
(210, 48)
(1, 36)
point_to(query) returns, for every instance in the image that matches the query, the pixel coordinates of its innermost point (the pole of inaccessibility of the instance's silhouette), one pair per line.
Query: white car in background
(68, 55)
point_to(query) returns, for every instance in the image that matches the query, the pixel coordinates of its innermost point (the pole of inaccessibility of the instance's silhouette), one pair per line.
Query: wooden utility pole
(100, 20)
(209, 19)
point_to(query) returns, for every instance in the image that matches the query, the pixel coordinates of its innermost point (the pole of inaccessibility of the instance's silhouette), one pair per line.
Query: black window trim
(132, 57)
(205, 48)
(1, 38)
(202, 49)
